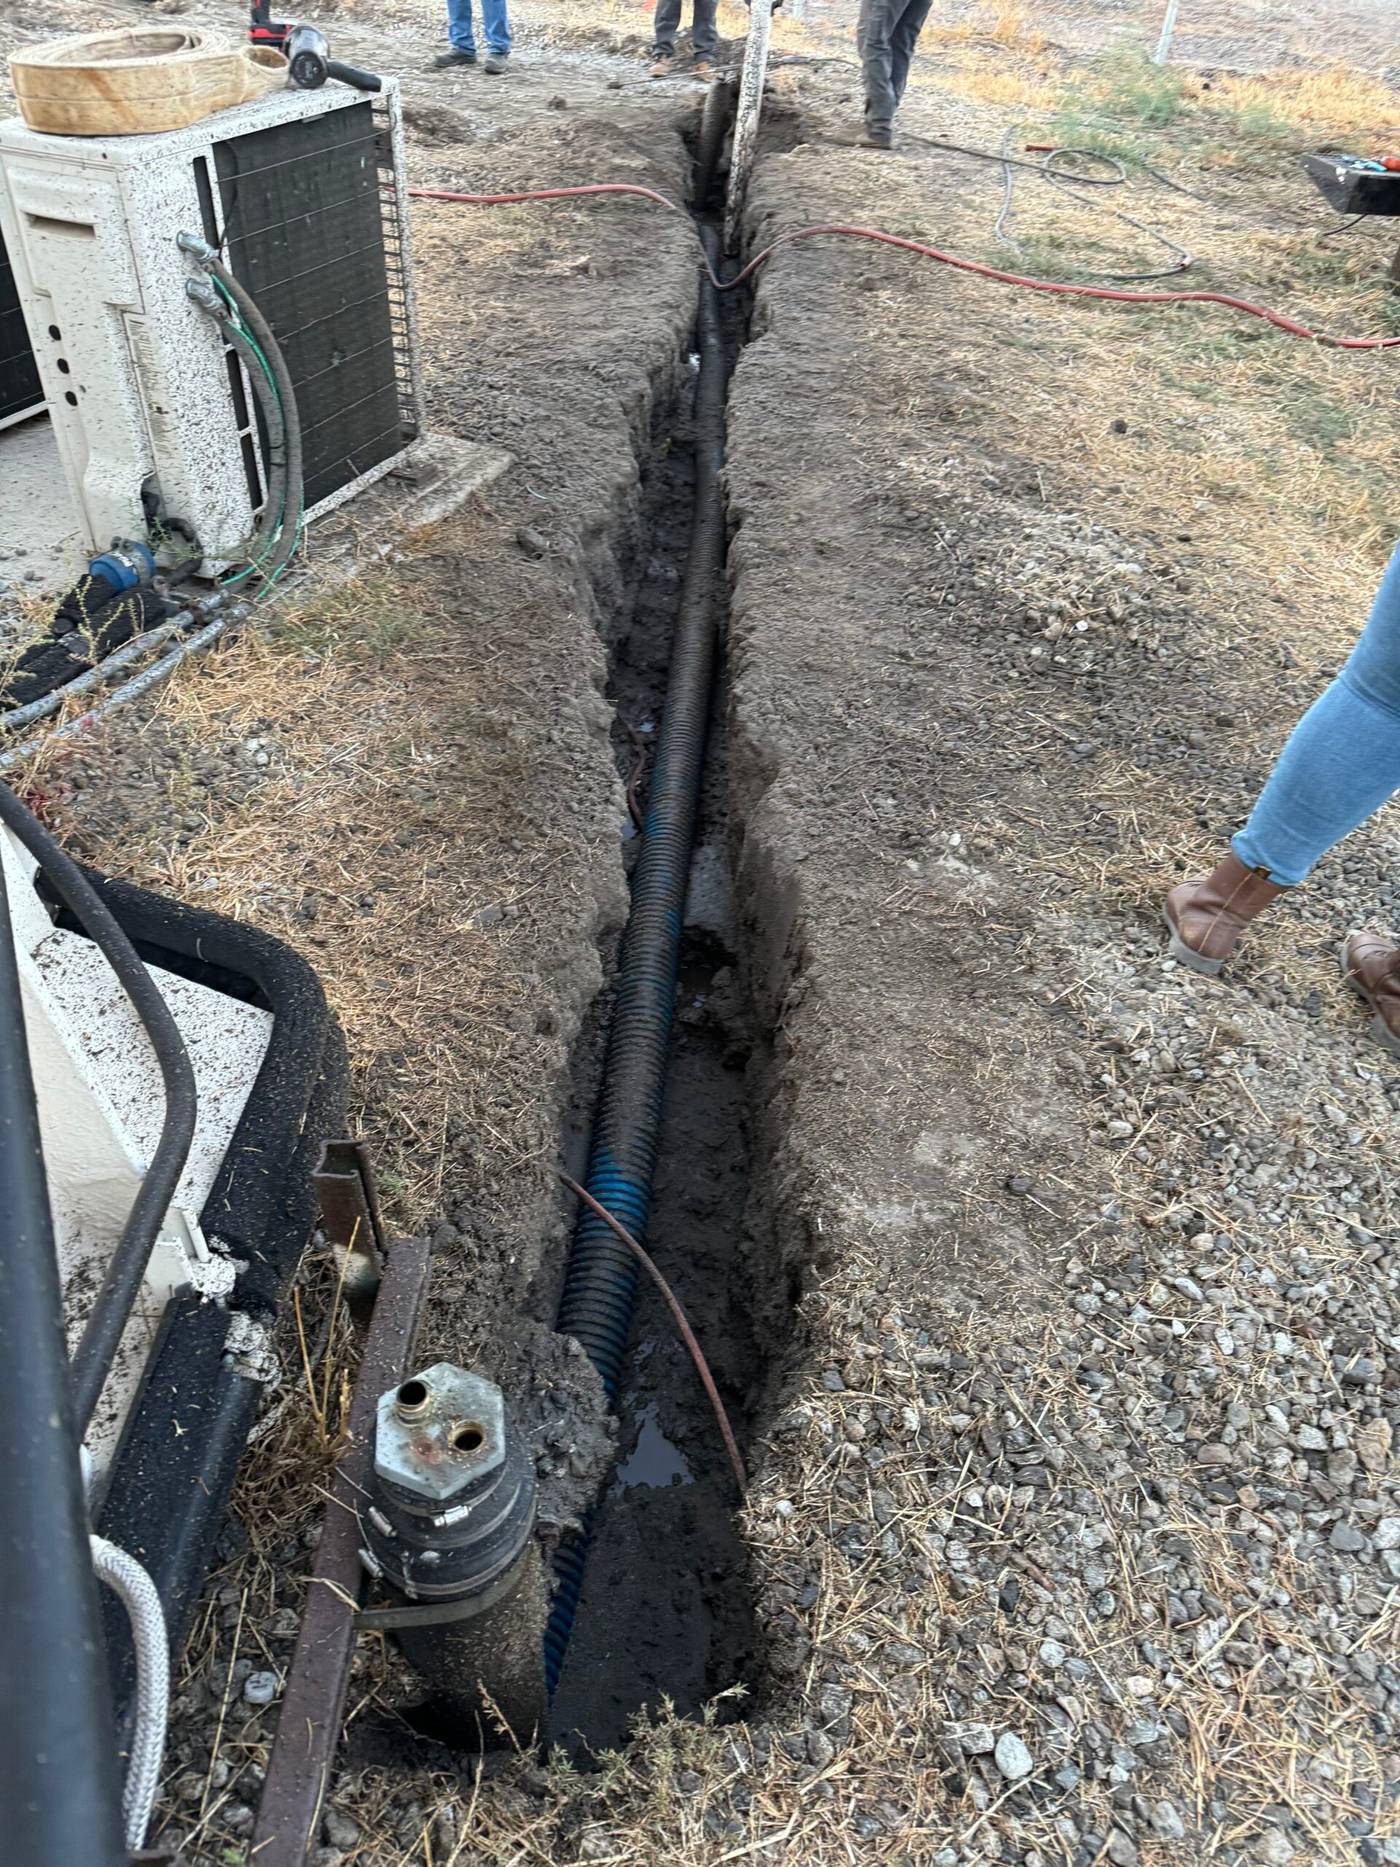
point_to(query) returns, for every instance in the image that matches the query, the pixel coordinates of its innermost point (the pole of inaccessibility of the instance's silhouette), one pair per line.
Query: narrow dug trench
(666, 1611)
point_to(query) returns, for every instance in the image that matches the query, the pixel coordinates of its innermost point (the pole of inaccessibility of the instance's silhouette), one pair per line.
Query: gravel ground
(1074, 1524)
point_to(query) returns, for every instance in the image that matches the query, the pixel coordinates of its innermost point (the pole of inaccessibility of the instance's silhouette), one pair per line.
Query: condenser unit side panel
(21, 392)
(303, 230)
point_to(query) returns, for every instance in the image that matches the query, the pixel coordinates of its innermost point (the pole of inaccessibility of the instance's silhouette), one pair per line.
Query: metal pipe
(59, 1787)
(1167, 34)
(91, 677)
(129, 690)
(601, 1277)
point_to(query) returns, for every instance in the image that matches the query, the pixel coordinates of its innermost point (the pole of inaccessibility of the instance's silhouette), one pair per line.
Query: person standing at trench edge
(704, 38)
(495, 30)
(1340, 765)
(886, 34)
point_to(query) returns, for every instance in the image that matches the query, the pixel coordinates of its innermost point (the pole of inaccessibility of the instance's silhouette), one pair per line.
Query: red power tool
(307, 52)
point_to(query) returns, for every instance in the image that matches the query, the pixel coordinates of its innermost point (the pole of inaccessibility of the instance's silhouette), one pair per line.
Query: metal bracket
(344, 1182)
(438, 1613)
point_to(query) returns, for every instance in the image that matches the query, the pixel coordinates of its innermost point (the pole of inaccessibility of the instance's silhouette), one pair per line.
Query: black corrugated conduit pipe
(601, 1276)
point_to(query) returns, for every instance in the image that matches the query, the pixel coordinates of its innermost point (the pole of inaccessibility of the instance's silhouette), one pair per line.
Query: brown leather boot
(1207, 918)
(1371, 967)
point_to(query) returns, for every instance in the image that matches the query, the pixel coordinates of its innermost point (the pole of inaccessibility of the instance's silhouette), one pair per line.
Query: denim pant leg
(703, 35)
(667, 25)
(874, 42)
(495, 26)
(1342, 761)
(904, 39)
(459, 25)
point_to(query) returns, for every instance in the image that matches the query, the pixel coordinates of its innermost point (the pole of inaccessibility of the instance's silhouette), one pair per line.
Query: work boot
(1371, 967)
(448, 59)
(703, 70)
(496, 63)
(878, 135)
(663, 64)
(1207, 918)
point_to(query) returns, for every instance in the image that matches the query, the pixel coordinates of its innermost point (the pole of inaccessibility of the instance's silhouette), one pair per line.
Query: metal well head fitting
(439, 1431)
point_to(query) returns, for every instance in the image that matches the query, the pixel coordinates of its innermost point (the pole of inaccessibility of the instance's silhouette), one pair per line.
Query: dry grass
(372, 839)
(1335, 100)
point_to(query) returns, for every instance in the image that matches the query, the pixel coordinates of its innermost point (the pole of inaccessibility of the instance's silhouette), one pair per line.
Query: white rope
(136, 1591)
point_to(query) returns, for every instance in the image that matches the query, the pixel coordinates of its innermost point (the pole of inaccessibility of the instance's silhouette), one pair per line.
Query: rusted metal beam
(313, 1705)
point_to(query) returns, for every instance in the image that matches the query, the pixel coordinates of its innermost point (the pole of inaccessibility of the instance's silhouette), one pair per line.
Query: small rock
(1122, 1849)
(1347, 1538)
(820, 1749)
(1275, 1848)
(1373, 1445)
(1213, 1453)
(974, 1740)
(1013, 1759)
(1167, 1822)
(339, 1830)
(1052, 1654)
(260, 1688)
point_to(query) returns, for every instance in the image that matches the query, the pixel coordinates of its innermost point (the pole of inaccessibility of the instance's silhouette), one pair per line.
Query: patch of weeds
(372, 614)
(1077, 128)
(1317, 421)
(1134, 87)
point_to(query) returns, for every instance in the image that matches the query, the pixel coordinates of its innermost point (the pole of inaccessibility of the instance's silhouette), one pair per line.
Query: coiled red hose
(1115, 294)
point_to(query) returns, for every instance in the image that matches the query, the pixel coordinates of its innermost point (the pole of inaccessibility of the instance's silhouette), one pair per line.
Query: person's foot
(1371, 967)
(663, 65)
(496, 63)
(703, 70)
(446, 60)
(878, 136)
(1207, 918)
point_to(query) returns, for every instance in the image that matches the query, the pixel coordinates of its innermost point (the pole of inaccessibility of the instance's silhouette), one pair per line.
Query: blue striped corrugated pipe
(600, 1281)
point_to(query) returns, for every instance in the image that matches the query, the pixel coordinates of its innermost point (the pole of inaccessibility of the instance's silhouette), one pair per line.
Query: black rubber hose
(601, 1277)
(126, 1268)
(265, 537)
(262, 333)
(59, 1787)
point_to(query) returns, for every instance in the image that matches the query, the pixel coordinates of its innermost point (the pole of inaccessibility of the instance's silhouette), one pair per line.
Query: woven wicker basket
(137, 82)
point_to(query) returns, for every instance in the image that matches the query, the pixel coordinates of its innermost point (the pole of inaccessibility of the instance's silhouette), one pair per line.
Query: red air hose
(1063, 289)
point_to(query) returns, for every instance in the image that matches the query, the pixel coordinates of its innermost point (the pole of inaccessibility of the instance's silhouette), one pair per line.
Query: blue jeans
(1343, 759)
(495, 27)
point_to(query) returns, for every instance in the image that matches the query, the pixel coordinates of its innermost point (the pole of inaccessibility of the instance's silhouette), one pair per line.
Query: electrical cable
(262, 334)
(242, 322)
(1066, 182)
(840, 230)
(126, 1268)
(678, 1316)
(134, 1588)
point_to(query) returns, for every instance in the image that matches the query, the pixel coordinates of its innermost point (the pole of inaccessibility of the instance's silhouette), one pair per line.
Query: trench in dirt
(667, 1609)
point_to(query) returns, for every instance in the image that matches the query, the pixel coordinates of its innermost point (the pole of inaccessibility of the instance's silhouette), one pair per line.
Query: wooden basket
(137, 82)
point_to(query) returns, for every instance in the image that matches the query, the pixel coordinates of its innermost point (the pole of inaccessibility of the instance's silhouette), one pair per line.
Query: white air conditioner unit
(304, 194)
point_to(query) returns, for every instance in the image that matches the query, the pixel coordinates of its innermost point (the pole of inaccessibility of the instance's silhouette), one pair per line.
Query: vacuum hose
(601, 1276)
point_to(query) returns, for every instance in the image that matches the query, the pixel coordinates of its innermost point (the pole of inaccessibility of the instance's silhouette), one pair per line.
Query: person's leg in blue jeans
(459, 28)
(1341, 763)
(495, 29)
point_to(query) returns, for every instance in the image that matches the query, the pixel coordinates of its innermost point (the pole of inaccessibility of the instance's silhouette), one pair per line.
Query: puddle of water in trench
(655, 1460)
